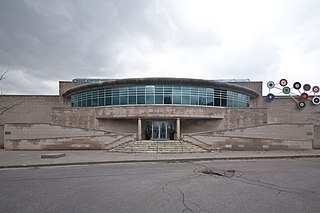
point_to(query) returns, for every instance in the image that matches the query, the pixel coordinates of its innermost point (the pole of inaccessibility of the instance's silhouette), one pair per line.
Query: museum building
(158, 115)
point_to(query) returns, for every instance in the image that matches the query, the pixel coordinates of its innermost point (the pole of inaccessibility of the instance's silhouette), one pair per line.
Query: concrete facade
(26, 109)
(46, 136)
(50, 122)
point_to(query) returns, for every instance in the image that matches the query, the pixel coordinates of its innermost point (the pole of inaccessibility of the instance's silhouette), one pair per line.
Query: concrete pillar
(139, 129)
(178, 129)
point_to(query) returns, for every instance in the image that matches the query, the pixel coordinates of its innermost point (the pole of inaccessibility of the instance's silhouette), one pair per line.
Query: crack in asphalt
(184, 202)
(240, 177)
(187, 207)
(165, 192)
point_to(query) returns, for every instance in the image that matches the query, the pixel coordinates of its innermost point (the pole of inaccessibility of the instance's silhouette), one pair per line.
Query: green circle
(286, 90)
(302, 104)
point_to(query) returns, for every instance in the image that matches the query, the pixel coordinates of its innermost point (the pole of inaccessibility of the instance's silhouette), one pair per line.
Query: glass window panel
(115, 100)
(101, 101)
(132, 91)
(141, 99)
(132, 99)
(185, 100)
(150, 89)
(224, 94)
(123, 100)
(202, 100)
(123, 91)
(209, 101)
(159, 90)
(108, 92)
(230, 103)
(83, 103)
(209, 91)
(108, 101)
(141, 90)
(95, 102)
(194, 100)
(167, 89)
(159, 99)
(202, 92)
(176, 95)
(194, 91)
(217, 101)
(150, 99)
(217, 97)
(115, 91)
(176, 99)
(167, 99)
(223, 101)
(100, 93)
(209, 96)
(185, 91)
(176, 90)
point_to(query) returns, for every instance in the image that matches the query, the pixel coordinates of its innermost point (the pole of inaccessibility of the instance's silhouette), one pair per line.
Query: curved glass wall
(160, 94)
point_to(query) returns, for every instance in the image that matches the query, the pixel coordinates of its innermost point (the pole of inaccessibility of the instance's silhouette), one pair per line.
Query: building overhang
(161, 81)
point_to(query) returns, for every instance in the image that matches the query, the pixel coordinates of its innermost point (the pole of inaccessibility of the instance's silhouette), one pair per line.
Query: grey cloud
(42, 42)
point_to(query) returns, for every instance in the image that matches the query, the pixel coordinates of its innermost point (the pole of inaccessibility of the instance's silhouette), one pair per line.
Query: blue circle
(307, 87)
(271, 84)
(270, 97)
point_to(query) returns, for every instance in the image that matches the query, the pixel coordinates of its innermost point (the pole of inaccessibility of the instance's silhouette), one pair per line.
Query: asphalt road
(216, 186)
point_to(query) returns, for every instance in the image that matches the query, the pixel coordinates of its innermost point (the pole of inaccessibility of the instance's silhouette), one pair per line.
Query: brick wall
(272, 131)
(27, 109)
(265, 137)
(316, 140)
(46, 136)
(32, 131)
(1, 136)
(284, 110)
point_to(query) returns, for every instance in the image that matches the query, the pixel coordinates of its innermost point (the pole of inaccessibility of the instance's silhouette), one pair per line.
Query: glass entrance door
(160, 130)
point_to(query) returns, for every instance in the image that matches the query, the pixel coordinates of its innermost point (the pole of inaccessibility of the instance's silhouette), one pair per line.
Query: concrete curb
(157, 160)
(53, 155)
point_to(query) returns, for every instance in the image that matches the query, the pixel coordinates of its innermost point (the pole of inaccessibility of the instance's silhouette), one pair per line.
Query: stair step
(158, 147)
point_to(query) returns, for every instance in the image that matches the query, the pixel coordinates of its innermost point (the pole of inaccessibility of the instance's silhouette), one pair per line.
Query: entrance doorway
(160, 130)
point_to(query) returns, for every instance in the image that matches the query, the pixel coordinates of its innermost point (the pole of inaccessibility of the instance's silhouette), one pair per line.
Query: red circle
(315, 89)
(304, 96)
(283, 82)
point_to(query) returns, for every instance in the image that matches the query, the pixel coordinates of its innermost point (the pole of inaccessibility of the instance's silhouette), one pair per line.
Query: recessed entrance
(160, 130)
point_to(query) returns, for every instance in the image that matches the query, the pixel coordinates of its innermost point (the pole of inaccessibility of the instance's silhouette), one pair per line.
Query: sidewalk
(18, 159)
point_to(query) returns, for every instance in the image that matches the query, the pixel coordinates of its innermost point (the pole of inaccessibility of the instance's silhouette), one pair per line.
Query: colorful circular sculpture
(300, 94)
(315, 89)
(286, 90)
(283, 82)
(306, 87)
(270, 84)
(301, 104)
(297, 85)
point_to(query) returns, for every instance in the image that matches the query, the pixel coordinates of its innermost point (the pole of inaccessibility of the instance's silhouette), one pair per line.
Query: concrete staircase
(146, 146)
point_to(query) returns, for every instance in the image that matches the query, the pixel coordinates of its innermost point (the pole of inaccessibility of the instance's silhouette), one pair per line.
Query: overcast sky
(42, 42)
